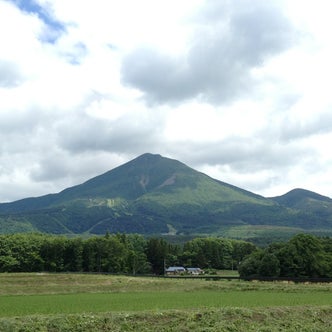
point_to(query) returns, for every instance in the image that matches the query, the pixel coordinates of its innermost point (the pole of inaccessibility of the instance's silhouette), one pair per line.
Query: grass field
(80, 302)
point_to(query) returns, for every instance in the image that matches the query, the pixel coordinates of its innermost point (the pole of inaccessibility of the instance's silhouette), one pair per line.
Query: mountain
(308, 204)
(156, 195)
(302, 199)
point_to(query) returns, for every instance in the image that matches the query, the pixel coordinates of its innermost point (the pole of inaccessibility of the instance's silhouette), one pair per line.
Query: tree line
(116, 253)
(302, 256)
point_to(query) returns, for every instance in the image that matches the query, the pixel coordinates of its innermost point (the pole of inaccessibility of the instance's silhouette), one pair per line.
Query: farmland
(80, 302)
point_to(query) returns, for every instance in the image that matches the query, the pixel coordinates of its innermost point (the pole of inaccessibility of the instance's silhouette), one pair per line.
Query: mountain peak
(145, 160)
(130, 180)
(152, 194)
(149, 156)
(299, 196)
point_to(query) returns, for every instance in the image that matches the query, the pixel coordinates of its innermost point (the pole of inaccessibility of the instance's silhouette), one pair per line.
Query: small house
(173, 270)
(195, 270)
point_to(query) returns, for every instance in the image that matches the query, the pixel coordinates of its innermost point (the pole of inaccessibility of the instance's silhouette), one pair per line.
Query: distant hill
(310, 206)
(154, 195)
(302, 199)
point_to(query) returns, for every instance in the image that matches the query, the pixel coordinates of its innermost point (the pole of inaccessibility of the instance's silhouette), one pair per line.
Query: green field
(80, 302)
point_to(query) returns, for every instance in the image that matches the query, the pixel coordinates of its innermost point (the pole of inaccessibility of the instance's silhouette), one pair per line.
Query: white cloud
(232, 40)
(239, 90)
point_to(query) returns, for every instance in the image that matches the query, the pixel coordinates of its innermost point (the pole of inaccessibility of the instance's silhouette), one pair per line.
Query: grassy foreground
(304, 319)
(75, 302)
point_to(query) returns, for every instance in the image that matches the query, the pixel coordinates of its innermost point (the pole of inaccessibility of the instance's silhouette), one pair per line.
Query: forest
(303, 255)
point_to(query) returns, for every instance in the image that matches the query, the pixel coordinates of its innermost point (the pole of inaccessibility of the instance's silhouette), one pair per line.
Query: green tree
(114, 255)
(9, 264)
(269, 265)
(303, 256)
(73, 255)
(241, 249)
(91, 255)
(137, 261)
(208, 253)
(104, 254)
(156, 251)
(52, 252)
(250, 266)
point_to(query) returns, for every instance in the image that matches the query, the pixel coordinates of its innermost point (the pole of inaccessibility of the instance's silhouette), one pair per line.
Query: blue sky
(239, 90)
(31, 7)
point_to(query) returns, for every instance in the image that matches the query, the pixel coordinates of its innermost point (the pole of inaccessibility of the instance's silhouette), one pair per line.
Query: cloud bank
(239, 90)
(229, 41)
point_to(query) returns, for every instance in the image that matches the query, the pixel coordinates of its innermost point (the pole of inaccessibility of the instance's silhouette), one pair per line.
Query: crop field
(81, 302)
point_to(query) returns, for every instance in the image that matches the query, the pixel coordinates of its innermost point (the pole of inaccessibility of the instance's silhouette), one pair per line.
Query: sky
(239, 90)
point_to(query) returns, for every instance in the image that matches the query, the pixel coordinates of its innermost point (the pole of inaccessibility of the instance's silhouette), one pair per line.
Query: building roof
(175, 269)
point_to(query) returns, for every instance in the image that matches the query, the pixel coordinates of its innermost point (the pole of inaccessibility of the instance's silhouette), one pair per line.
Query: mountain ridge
(152, 194)
(293, 197)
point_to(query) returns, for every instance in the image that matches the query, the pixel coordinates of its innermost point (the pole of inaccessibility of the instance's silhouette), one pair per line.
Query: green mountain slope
(155, 195)
(302, 199)
(309, 205)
